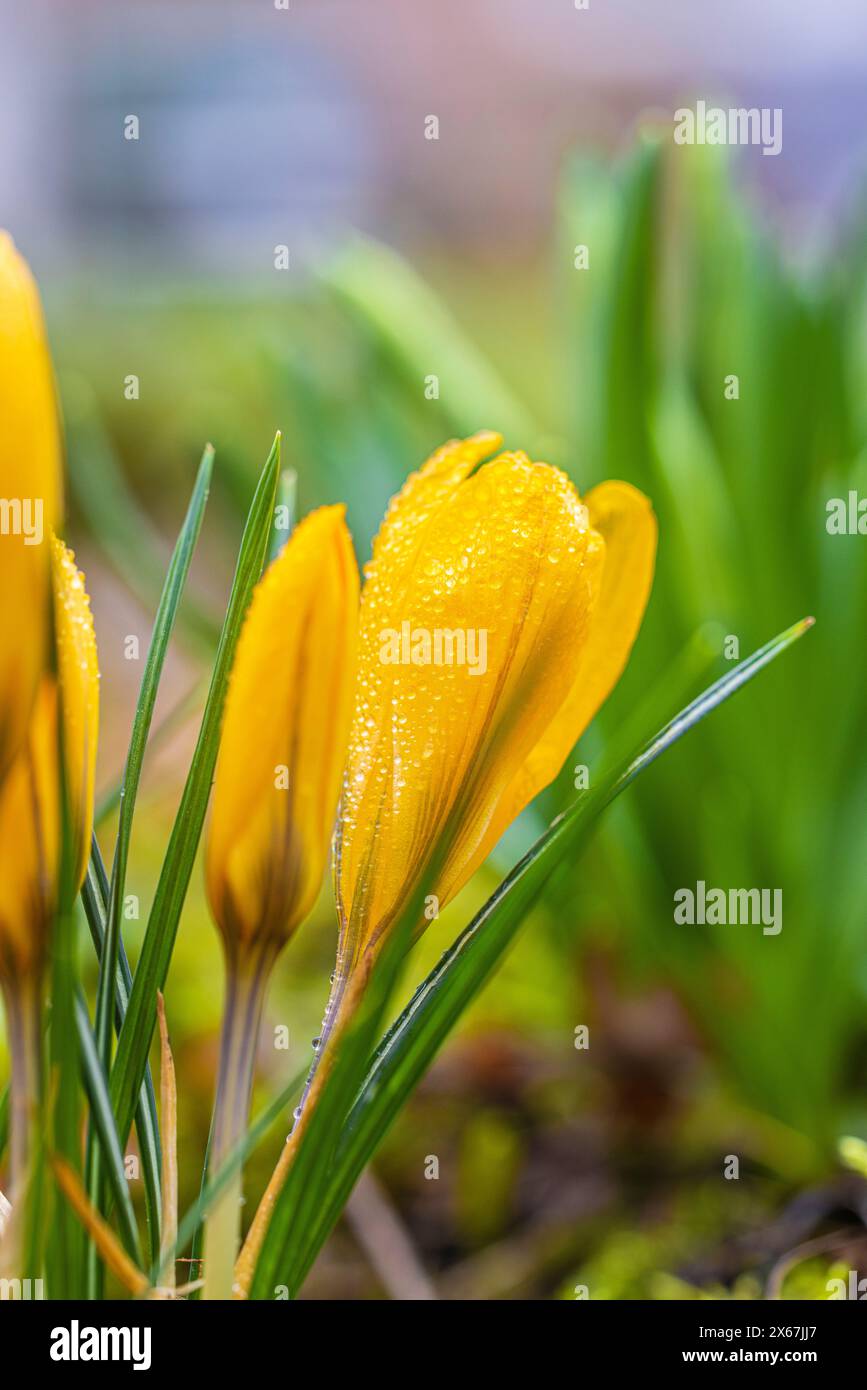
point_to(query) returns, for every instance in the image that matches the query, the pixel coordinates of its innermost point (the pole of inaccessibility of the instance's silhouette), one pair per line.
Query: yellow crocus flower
(30, 829)
(283, 739)
(498, 612)
(282, 747)
(30, 489)
(517, 605)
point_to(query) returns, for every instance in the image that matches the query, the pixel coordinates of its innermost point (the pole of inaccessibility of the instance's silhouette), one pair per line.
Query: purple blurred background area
(261, 125)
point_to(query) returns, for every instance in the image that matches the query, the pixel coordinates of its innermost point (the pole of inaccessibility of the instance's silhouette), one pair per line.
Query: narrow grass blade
(414, 1039)
(163, 626)
(105, 1133)
(159, 940)
(64, 1236)
(94, 896)
(106, 1241)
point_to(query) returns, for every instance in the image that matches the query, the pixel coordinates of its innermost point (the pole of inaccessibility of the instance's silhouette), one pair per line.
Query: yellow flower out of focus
(284, 737)
(30, 794)
(498, 613)
(29, 496)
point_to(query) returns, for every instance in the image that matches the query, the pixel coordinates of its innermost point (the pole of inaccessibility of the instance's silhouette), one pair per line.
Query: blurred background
(266, 137)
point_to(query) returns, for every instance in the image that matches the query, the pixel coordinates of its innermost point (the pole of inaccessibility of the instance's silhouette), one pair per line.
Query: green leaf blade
(150, 975)
(94, 897)
(106, 1135)
(163, 627)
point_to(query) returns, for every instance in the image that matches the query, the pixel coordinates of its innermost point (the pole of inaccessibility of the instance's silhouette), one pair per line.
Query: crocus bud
(498, 612)
(283, 740)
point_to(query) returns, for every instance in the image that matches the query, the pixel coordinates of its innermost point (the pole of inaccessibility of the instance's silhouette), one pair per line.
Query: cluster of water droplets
(75, 637)
(456, 553)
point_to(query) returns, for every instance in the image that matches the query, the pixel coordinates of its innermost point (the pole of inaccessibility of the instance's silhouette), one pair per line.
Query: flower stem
(246, 985)
(343, 1000)
(22, 999)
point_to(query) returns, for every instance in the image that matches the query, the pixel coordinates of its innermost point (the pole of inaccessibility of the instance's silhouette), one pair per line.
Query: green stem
(246, 985)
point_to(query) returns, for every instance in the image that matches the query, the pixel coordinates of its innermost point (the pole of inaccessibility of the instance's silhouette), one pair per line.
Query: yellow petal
(624, 518)
(506, 564)
(29, 495)
(78, 674)
(29, 843)
(284, 737)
